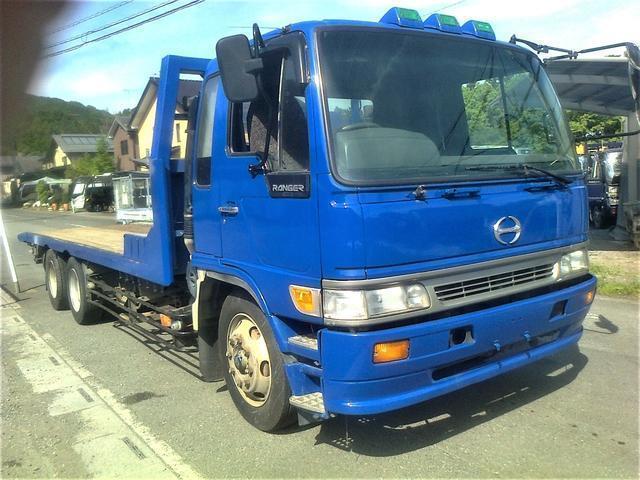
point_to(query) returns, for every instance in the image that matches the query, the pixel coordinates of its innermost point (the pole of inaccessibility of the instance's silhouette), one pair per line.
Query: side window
(250, 122)
(204, 136)
(239, 130)
(293, 130)
(289, 144)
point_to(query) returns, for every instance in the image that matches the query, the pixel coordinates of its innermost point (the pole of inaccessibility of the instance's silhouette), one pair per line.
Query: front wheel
(254, 367)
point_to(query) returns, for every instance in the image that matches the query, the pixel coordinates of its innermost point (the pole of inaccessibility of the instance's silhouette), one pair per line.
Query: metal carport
(606, 85)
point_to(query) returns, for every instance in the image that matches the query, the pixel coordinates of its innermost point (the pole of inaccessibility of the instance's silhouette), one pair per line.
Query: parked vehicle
(353, 230)
(603, 187)
(132, 197)
(78, 188)
(98, 193)
(28, 190)
(9, 192)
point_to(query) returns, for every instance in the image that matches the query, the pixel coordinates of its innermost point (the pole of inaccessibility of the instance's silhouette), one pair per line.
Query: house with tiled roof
(70, 147)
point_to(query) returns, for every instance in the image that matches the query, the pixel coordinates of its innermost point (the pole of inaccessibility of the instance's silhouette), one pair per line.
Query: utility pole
(7, 253)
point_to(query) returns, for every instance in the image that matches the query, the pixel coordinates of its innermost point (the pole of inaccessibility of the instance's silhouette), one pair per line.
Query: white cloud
(95, 83)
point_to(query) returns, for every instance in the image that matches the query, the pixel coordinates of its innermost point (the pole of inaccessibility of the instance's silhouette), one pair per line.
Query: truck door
(269, 219)
(205, 191)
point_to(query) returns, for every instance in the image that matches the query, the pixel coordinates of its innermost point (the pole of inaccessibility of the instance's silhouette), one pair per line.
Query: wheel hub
(74, 290)
(248, 358)
(52, 280)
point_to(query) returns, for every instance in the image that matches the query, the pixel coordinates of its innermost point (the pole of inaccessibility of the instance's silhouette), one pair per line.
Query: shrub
(42, 189)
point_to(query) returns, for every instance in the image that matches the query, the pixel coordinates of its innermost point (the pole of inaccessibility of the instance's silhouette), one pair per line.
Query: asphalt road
(96, 401)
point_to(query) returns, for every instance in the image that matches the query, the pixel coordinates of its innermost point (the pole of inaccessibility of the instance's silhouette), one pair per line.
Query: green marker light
(483, 27)
(409, 14)
(449, 20)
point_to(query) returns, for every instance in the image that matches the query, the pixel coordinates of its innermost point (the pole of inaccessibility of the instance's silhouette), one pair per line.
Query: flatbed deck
(110, 239)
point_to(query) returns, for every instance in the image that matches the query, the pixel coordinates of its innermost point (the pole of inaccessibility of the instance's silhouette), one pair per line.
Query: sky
(111, 74)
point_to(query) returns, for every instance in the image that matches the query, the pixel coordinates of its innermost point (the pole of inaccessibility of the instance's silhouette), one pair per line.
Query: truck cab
(392, 187)
(370, 215)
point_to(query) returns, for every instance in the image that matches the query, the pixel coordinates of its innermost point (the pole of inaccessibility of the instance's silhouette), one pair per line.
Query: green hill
(44, 116)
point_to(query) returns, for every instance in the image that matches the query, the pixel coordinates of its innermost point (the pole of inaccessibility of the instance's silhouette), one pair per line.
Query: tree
(103, 161)
(89, 165)
(41, 117)
(582, 123)
(42, 189)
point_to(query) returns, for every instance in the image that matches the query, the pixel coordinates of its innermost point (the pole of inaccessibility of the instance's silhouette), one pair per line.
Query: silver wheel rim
(52, 280)
(248, 360)
(74, 290)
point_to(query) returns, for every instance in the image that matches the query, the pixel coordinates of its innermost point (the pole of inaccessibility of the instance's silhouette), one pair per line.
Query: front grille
(478, 286)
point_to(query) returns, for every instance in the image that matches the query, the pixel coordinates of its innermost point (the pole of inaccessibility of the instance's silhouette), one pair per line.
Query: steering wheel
(358, 126)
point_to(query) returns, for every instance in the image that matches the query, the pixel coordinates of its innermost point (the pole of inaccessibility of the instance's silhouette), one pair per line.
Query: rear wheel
(55, 276)
(254, 370)
(83, 312)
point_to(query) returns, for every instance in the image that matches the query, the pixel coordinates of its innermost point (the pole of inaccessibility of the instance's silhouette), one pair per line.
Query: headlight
(363, 304)
(572, 264)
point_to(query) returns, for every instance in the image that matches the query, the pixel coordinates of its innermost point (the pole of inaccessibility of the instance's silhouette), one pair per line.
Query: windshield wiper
(526, 170)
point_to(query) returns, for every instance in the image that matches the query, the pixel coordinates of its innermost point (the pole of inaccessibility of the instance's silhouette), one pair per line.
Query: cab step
(311, 402)
(304, 341)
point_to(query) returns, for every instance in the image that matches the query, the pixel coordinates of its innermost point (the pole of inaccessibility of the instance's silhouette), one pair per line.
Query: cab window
(204, 135)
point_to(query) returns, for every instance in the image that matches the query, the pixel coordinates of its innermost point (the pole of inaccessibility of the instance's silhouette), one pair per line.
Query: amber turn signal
(305, 299)
(589, 296)
(390, 351)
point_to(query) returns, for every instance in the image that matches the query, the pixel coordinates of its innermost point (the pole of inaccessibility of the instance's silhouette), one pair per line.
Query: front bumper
(504, 337)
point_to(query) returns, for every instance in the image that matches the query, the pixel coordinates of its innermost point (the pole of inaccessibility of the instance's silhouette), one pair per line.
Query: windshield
(404, 107)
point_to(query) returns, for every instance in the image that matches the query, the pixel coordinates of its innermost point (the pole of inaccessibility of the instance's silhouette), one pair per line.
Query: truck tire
(55, 277)
(83, 312)
(598, 218)
(254, 367)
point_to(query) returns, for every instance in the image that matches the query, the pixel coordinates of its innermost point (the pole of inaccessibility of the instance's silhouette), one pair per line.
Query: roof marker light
(404, 17)
(479, 29)
(444, 23)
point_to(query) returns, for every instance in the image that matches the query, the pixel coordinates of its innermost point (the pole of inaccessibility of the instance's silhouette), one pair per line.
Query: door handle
(228, 210)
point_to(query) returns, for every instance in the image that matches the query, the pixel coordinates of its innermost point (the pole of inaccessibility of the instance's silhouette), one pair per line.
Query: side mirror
(238, 68)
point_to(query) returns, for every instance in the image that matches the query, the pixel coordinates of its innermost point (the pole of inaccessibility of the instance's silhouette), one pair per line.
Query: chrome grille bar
(476, 286)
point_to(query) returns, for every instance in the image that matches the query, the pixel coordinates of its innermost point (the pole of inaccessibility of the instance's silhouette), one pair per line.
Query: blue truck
(369, 215)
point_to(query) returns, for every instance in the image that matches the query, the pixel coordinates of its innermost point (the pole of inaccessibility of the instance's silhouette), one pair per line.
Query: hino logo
(287, 188)
(507, 230)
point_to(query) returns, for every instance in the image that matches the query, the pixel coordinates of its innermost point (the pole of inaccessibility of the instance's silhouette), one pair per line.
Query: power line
(127, 28)
(112, 24)
(453, 4)
(90, 17)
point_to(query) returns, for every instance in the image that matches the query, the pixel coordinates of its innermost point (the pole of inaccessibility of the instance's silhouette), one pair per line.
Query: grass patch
(614, 281)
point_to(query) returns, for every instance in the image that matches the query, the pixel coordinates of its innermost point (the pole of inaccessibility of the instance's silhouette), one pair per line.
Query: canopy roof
(599, 85)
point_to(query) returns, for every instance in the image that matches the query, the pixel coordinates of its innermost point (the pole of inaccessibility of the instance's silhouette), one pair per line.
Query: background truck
(369, 215)
(603, 186)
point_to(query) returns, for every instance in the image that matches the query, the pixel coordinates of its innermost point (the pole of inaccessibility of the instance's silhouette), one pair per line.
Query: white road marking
(111, 442)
